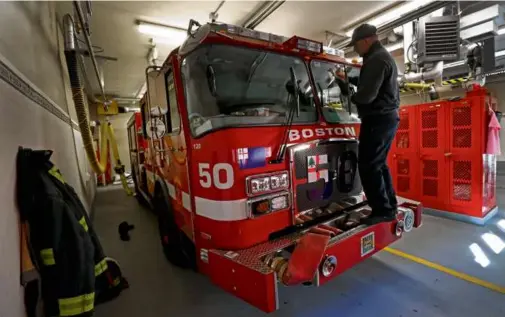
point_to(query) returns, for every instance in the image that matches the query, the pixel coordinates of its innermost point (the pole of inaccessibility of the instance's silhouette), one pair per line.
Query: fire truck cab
(246, 147)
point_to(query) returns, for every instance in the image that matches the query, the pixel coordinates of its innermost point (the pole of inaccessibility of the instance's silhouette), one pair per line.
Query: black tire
(177, 247)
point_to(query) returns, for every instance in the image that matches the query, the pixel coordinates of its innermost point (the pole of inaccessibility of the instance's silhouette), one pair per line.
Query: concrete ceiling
(114, 29)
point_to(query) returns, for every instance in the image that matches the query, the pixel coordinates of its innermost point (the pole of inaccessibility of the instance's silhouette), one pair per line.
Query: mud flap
(306, 258)
(251, 285)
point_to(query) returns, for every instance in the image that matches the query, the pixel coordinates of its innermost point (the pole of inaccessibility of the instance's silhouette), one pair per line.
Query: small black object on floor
(124, 230)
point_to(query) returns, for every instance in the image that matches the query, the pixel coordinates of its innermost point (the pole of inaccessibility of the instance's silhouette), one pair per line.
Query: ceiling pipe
(411, 16)
(90, 47)
(126, 99)
(214, 15)
(71, 44)
(261, 10)
(434, 73)
(98, 57)
(69, 31)
(262, 13)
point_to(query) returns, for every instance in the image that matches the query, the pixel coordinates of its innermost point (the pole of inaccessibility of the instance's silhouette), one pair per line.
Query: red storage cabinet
(438, 157)
(432, 135)
(404, 158)
(465, 150)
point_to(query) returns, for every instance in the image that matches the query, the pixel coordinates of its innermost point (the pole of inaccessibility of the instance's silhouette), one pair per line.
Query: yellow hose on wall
(118, 166)
(106, 132)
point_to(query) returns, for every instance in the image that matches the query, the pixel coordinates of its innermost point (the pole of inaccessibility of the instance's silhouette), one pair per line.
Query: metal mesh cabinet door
(405, 177)
(406, 136)
(432, 163)
(465, 156)
(432, 128)
(466, 128)
(433, 182)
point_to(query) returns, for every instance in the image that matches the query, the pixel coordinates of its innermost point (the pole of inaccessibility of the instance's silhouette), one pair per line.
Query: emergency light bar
(308, 45)
(333, 51)
(304, 44)
(294, 42)
(245, 32)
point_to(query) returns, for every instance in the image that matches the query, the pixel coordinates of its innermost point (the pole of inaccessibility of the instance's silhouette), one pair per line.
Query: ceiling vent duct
(438, 39)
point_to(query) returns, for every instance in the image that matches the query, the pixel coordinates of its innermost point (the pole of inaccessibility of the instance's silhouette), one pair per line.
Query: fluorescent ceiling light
(499, 53)
(395, 13)
(501, 31)
(162, 32)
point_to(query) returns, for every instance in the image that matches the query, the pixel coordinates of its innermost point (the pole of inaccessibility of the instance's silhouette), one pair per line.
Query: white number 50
(206, 179)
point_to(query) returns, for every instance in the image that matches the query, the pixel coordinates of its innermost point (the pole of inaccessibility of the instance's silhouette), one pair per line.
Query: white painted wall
(31, 45)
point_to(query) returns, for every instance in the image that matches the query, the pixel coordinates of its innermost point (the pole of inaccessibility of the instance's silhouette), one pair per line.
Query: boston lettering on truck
(247, 152)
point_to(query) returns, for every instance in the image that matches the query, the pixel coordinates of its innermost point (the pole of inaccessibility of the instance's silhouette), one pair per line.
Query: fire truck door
(134, 150)
(157, 123)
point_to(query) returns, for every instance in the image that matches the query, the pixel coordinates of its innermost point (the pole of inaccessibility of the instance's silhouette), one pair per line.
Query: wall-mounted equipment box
(438, 39)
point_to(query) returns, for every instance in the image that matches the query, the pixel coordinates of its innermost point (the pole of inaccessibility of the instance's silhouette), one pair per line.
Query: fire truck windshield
(229, 86)
(331, 83)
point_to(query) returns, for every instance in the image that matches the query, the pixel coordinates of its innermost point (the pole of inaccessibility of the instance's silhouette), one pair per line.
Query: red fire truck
(247, 150)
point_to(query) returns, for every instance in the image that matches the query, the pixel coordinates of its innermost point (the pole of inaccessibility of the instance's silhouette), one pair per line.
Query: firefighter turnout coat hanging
(74, 272)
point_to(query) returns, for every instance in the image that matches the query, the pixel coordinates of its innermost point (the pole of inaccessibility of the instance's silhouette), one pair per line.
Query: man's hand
(340, 74)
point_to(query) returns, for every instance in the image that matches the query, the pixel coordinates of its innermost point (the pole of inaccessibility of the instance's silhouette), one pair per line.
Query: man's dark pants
(375, 138)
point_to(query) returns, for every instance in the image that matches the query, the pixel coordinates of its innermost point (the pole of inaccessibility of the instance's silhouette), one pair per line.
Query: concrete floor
(384, 285)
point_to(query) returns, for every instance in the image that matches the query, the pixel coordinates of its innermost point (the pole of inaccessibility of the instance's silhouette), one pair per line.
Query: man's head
(363, 37)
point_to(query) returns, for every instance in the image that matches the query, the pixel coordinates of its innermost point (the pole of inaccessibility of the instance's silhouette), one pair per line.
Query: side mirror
(192, 24)
(211, 80)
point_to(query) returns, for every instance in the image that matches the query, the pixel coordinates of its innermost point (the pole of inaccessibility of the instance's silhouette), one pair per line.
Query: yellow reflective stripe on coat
(56, 173)
(100, 267)
(47, 256)
(84, 224)
(74, 306)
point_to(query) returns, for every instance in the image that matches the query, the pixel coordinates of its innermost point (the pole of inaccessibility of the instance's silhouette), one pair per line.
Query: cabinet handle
(448, 154)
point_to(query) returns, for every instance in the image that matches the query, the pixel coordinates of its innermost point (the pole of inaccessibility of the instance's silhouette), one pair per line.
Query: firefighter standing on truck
(377, 100)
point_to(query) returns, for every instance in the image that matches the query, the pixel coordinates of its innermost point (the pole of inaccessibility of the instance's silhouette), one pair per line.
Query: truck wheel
(177, 247)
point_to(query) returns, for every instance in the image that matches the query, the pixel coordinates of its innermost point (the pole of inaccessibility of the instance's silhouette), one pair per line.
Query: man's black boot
(383, 217)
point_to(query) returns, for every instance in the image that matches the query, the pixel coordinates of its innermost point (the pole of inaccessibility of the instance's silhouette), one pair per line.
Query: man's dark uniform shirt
(377, 101)
(378, 91)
